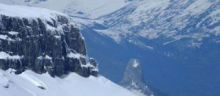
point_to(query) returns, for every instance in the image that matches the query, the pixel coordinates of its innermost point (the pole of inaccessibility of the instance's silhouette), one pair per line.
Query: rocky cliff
(43, 41)
(133, 79)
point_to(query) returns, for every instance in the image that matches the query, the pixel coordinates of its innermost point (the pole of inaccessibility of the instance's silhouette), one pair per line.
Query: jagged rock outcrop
(43, 44)
(133, 79)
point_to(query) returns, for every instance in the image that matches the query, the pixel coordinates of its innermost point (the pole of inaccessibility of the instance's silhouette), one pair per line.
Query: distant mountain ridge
(178, 41)
(166, 20)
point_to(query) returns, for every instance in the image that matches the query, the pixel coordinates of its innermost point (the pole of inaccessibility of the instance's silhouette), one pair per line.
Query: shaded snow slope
(31, 84)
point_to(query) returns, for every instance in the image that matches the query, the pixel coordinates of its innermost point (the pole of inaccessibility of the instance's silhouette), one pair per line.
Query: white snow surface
(45, 57)
(31, 84)
(82, 8)
(28, 12)
(75, 55)
(4, 55)
(135, 63)
(5, 37)
(138, 92)
(13, 33)
(3, 81)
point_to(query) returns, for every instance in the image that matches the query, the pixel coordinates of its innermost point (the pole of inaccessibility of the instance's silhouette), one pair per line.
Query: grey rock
(133, 79)
(94, 64)
(43, 46)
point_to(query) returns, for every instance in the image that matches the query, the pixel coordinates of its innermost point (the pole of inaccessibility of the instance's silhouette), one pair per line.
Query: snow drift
(31, 84)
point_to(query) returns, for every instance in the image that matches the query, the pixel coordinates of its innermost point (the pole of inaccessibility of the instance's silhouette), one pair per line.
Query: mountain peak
(135, 63)
(133, 79)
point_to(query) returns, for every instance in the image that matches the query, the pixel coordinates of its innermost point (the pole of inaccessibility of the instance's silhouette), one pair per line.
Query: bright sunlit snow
(4, 55)
(135, 63)
(29, 12)
(32, 84)
(86, 8)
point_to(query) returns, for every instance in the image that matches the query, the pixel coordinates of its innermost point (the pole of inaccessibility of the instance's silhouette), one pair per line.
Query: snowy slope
(32, 84)
(28, 12)
(173, 20)
(82, 8)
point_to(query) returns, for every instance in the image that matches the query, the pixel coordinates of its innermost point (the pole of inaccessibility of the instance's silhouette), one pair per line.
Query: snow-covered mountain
(177, 40)
(42, 53)
(170, 20)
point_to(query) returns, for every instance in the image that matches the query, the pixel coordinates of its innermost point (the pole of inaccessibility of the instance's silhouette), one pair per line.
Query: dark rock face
(94, 72)
(53, 46)
(133, 79)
